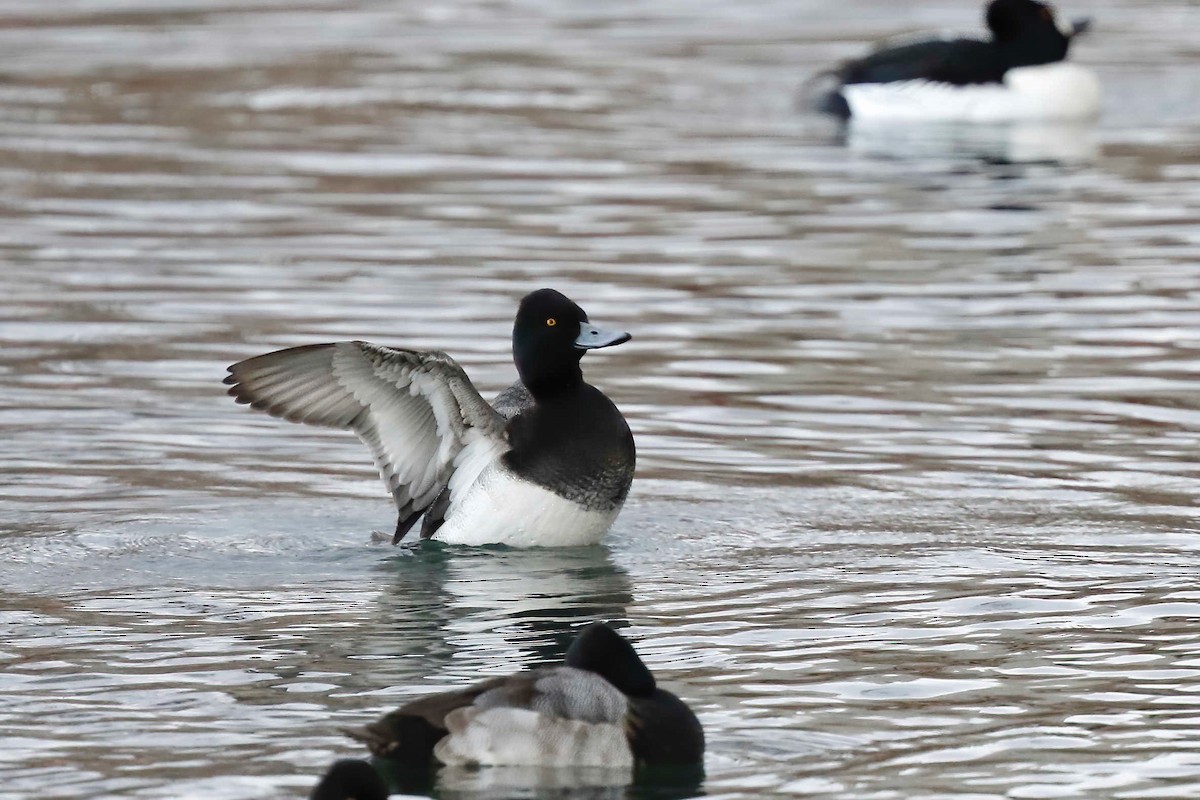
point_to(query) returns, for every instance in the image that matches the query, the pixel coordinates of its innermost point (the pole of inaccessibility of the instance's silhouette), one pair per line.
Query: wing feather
(554, 716)
(414, 410)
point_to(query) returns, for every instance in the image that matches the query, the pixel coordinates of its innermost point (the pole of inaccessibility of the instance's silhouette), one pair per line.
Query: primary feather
(416, 411)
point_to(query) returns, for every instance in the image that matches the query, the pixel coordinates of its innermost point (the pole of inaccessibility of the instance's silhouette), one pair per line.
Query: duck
(1018, 74)
(350, 779)
(600, 708)
(549, 463)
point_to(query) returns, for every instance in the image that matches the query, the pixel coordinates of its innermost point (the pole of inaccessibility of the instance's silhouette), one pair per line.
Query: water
(916, 412)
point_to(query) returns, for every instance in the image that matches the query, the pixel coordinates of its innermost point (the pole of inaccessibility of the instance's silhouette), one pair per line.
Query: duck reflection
(534, 602)
(593, 725)
(457, 613)
(568, 783)
(1012, 143)
(500, 783)
(470, 612)
(577, 783)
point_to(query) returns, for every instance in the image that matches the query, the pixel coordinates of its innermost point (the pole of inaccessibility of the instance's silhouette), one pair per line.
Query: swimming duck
(1019, 74)
(549, 464)
(600, 708)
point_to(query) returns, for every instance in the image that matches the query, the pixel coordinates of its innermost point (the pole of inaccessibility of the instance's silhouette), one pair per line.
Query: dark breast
(578, 446)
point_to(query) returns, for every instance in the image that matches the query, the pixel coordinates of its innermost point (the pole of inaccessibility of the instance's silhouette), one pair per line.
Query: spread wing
(416, 411)
(508, 404)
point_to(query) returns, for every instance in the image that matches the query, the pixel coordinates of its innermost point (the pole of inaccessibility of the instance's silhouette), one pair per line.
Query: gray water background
(917, 412)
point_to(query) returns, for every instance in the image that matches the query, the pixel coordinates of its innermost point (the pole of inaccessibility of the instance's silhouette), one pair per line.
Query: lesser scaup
(1019, 74)
(601, 708)
(550, 464)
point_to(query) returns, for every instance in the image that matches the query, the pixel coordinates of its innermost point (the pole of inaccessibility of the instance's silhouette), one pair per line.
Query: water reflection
(523, 608)
(498, 783)
(581, 783)
(917, 443)
(1014, 143)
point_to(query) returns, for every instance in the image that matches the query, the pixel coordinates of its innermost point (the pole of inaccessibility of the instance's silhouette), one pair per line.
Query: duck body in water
(550, 464)
(1019, 73)
(601, 708)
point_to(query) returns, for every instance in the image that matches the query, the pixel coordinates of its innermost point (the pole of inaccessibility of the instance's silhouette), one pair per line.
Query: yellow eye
(550, 323)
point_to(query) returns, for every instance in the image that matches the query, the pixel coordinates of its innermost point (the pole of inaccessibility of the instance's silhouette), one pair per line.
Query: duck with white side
(601, 708)
(550, 464)
(1019, 74)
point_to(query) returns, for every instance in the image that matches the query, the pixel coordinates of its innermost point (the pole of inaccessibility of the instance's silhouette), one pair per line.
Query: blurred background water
(916, 411)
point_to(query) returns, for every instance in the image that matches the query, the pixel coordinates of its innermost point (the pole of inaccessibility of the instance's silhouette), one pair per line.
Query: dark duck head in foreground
(600, 708)
(550, 464)
(1018, 73)
(350, 779)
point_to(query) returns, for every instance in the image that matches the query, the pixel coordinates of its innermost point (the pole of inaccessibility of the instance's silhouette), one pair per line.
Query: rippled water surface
(916, 411)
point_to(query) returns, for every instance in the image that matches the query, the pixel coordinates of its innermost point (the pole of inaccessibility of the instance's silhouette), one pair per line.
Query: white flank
(1060, 91)
(512, 736)
(500, 508)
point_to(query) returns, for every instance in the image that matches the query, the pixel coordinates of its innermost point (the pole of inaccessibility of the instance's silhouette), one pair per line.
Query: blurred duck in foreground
(549, 463)
(1019, 74)
(350, 779)
(601, 708)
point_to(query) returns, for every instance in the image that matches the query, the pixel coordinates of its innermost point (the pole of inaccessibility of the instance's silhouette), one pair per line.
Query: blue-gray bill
(591, 338)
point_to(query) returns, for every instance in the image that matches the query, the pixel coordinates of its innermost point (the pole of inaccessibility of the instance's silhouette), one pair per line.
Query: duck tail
(822, 92)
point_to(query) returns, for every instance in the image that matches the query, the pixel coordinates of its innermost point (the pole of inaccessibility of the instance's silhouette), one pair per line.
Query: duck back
(958, 62)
